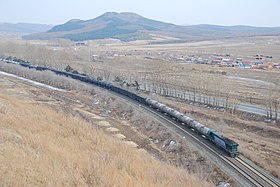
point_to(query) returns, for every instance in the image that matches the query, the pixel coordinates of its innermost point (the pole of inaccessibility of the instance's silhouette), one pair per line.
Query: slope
(43, 147)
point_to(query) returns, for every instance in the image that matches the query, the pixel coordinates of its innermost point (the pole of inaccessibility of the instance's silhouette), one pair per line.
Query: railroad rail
(260, 172)
(252, 174)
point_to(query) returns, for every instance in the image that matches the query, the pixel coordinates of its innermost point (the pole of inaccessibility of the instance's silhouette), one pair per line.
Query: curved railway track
(241, 167)
(253, 175)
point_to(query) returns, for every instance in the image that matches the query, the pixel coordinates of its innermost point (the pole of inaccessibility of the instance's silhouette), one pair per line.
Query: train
(220, 141)
(226, 144)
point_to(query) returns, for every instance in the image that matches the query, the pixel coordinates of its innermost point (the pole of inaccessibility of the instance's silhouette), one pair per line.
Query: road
(244, 107)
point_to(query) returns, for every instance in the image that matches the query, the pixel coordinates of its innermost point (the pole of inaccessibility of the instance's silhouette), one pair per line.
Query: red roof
(246, 62)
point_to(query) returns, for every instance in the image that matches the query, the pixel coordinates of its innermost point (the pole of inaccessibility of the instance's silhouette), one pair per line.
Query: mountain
(131, 26)
(23, 28)
(109, 25)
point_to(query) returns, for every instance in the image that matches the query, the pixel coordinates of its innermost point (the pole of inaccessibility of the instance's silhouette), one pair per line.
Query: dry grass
(42, 147)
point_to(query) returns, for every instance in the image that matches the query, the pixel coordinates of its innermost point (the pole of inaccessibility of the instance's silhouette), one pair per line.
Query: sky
(218, 12)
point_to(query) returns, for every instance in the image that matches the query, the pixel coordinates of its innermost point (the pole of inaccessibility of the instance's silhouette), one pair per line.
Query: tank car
(176, 114)
(151, 102)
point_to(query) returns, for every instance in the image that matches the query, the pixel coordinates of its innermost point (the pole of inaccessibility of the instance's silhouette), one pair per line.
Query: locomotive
(229, 146)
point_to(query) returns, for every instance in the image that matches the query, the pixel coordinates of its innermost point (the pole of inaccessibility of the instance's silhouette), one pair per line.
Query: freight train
(229, 146)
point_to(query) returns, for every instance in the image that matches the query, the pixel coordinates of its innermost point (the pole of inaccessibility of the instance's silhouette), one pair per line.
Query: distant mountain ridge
(130, 26)
(23, 28)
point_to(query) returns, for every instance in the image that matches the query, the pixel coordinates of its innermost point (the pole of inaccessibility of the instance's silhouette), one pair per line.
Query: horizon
(129, 12)
(217, 12)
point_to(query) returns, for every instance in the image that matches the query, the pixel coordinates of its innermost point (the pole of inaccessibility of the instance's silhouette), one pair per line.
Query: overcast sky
(220, 12)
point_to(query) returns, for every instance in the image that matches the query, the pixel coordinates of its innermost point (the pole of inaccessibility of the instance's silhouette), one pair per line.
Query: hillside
(42, 147)
(23, 28)
(130, 26)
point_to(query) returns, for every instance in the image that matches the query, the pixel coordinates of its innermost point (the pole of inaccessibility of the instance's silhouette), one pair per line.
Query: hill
(43, 147)
(23, 28)
(124, 26)
(131, 26)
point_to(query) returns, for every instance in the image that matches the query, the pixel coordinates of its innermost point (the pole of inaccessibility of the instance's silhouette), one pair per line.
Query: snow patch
(32, 82)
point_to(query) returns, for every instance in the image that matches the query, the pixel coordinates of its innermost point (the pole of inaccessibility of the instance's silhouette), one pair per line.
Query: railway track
(255, 175)
(242, 167)
(260, 172)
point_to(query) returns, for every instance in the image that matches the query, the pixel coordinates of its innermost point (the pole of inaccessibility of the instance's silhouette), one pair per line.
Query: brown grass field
(43, 147)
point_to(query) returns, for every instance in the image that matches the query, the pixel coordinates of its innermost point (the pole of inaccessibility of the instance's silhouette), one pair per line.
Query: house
(80, 43)
(216, 61)
(246, 64)
(258, 63)
(277, 66)
(267, 66)
(258, 57)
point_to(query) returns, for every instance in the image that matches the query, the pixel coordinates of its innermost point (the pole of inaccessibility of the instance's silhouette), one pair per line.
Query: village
(258, 61)
(251, 61)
